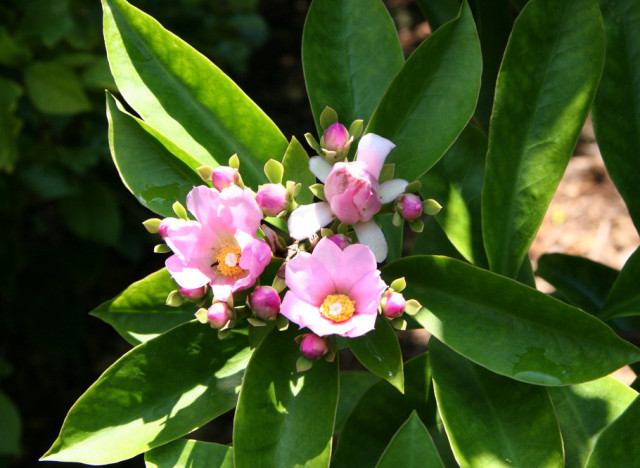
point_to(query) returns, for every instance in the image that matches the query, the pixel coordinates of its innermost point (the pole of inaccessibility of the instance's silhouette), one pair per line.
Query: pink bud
(265, 302)
(335, 137)
(313, 346)
(272, 199)
(219, 314)
(392, 304)
(224, 176)
(340, 240)
(352, 192)
(165, 224)
(194, 294)
(410, 206)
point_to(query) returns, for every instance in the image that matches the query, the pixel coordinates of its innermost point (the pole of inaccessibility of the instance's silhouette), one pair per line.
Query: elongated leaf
(11, 427)
(185, 453)
(616, 109)
(546, 83)
(378, 415)
(439, 12)
(456, 183)
(507, 327)
(350, 54)
(157, 392)
(624, 298)
(10, 125)
(139, 313)
(432, 98)
(285, 418)
(352, 386)
(411, 447)
(394, 235)
(147, 168)
(618, 444)
(584, 410)
(492, 420)
(379, 351)
(296, 168)
(582, 282)
(176, 89)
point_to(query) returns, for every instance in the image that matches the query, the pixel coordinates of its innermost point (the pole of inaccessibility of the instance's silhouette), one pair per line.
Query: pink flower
(220, 248)
(352, 192)
(313, 346)
(224, 176)
(333, 291)
(194, 294)
(272, 199)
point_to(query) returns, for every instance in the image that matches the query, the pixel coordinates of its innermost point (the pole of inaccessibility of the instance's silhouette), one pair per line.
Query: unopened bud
(272, 199)
(219, 315)
(194, 294)
(265, 302)
(393, 304)
(410, 206)
(313, 346)
(224, 176)
(165, 224)
(335, 137)
(340, 240)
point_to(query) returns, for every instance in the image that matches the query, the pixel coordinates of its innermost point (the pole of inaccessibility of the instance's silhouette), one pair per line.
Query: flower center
(228, 260)
(337, 308)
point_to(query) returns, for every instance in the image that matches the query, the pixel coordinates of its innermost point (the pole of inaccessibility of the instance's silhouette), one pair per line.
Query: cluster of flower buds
(336, 140)
(393, 304)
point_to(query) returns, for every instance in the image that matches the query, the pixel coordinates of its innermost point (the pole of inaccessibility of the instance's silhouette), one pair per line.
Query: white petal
(320, 168)
(306, 220)
(370, 234)
(373, 150)
(391, 189)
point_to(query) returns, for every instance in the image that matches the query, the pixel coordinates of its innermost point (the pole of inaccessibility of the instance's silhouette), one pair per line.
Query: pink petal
(298, 310)
(308, 278)
(373, 150)
(355, 263)
(306, 220)
(186, 276)
(391, 189)
(370, 234)
(188, 239)
(327, 253)
(320, 168)
(240, 209)
(203, 202)
(222, 292)
(367, 293)
(361, 325)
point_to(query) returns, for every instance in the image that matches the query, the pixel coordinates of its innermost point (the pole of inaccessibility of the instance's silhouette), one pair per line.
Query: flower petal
(369, 233)
(391, 189)
(356, 262)
(308, 278)
(306, 220)
(373, 150)
(320, 168)
(239, 209)
(298, 310)
(185, 275)
(367, 294)
(327, 253)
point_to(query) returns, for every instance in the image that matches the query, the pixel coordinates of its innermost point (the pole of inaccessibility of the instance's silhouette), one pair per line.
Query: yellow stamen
(337, 307)
(228, 260)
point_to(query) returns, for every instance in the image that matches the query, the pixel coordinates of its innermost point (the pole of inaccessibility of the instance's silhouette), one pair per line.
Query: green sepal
(328, 117)
(234, 161)
(413, 187)
(152, 225)
(398, 284)
(431, 207)
(256, 322)
(318, 191)
(412, 307)
(303, 364)
(417, 225)
(399, 323)
(205, 173)
(356, 127)
(397, 219)
(313, 143)
(174, 299)
(274, 170)
(282, 322)
(161, 249)
(180, 211)
(201, 315)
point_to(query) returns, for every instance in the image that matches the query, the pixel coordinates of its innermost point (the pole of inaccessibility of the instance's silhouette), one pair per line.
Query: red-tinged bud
(393, 304)
(194, 294)
(219, 314)
(335, 137)
(410, 206)
(340, 240)
(224, 176)
(272, 199)
(313, 346)
(265, 302)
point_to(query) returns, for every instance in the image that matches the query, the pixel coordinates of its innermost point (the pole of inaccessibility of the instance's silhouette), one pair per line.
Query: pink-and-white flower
(220, 248)
(333, 291)
(353, 195)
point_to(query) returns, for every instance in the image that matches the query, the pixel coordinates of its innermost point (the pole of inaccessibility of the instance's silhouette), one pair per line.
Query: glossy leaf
(624, 298)
(178, 90)
(55, 89)
(148, 169)
(584, 410)
(352, 386)
(546, 83)
(10, 125)
(582, 282)
(438, 12)
(492, 420)
(186, 453)
(350, 54)
(394, 236)
(378, 415)
(11, 427)
(157, 392)
(456, 183)
(296, 168)
(616, 109)
(139, 313)
(432, 97)
(379, 351)
(285, 418)
(411, 447)
(507, 327)
(618, 443)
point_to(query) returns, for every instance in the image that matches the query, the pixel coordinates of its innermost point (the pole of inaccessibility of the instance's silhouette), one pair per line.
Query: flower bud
(393, 304)
(335, 137)
(410, 206)
(352, 192)
(265, 302)
(340, 240)
(224, 176)
(313, 346)
(219, 314)
(194, 294)
(272, 199)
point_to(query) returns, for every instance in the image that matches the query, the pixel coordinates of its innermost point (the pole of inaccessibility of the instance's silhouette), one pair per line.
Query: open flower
(353, 195)
(220, 248)
(333, 291)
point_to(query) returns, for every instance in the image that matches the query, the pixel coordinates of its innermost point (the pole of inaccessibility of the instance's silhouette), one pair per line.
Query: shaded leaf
(11, 427)
(55, 89)
(10, 125)
(186, 453)
(624, 298)
(439, 12)
(352, 386)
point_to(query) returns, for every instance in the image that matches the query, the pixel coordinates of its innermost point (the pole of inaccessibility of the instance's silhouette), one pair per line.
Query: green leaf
(616, 109)
(11, 427)
(546, 83)
(432, 97)
(618, 443)
(438, 12)
(582, 282)
(139, 312)
(10, 125)
(584, 411)
(296, 168)
(48, 20)
(98, 76)
(12, 52)
(492, 420)
(533, 337)
(379, 351)
(352, 386)
(178, 90)
(157, 392)
(285, 418)
(378, 415)
(55, 89)
(411, 447)
(624, 298)
(350, 53)
(155, 175)
(186, 453)
(394, 236)
(456, 183)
